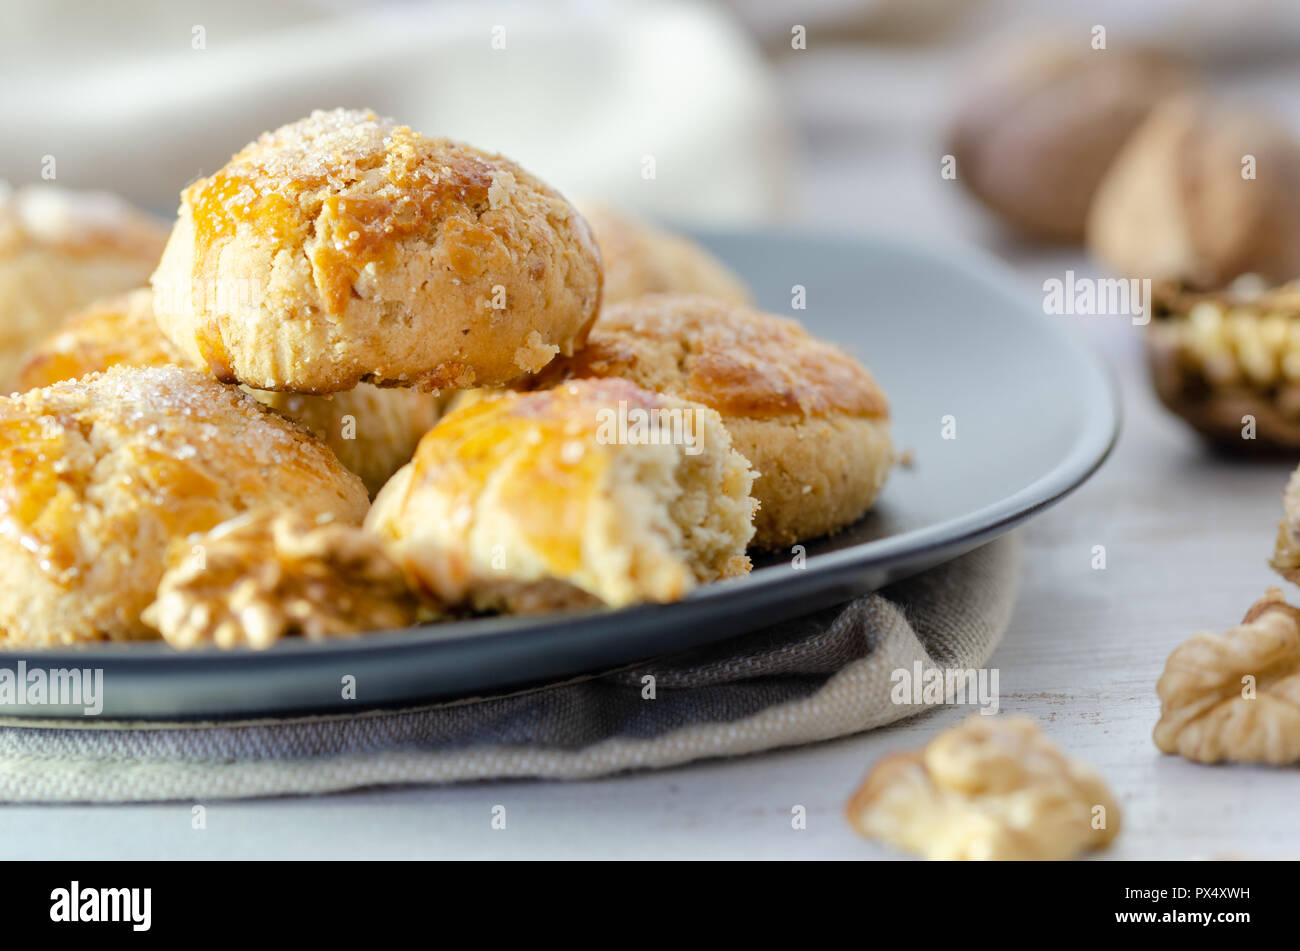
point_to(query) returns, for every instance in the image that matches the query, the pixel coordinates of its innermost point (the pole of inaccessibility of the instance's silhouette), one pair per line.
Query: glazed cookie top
(548, 441)
(346, 186)
(367, 251)
(737, 360)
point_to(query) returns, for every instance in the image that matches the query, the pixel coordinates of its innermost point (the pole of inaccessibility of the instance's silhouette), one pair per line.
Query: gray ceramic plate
(946, 333)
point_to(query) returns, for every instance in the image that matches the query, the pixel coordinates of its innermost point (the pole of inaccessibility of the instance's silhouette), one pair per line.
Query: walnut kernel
(1236, 696)
(988, 788)
(267, 575)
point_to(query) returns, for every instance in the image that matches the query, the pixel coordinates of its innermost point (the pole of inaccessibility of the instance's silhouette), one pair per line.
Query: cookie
(60, 250)
(105, 477)
(810, 419)
(596, 491)
(345, 248)
(373, 430)
(641, 259)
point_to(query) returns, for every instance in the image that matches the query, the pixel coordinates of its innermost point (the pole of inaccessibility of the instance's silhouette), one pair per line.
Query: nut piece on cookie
(594, 491)
(810, 419)
(992, 787)
(60, 250)
(346, 248)
(270, 574)
(102, 478)
(1236, 696)
(641, 259)
(373, 430)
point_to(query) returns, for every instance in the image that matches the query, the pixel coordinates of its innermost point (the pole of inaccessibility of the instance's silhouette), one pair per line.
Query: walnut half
(267, 575)
(1236, 696)
(988, 788)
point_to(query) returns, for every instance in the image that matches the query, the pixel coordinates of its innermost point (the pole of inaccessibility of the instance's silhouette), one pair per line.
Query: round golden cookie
(641, 259)
(570, 496)
(346, 248)
(809, 418)
(102, 479)
(60, 250)
(373, 431)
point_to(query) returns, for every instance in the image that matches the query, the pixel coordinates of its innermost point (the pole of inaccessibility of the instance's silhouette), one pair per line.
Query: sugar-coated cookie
(594, 491)
(346, 248)
(103, 478)
(373, 430)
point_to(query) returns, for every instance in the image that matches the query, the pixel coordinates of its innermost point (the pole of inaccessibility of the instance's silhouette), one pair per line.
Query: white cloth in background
(582, 92)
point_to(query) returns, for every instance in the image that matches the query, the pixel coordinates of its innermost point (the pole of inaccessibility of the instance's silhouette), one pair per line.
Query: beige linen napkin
(822, 676)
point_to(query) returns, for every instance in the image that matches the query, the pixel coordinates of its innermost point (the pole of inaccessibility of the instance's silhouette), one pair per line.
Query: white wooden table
(1186, 535)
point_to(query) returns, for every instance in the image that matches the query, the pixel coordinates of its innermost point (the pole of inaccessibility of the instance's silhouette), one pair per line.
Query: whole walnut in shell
(1236, 696)
(1201, 194)
(988, 788)
(1033, 139)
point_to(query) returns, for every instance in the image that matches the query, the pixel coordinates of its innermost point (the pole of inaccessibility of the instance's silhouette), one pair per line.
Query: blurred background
(987, 122)
(142, 96)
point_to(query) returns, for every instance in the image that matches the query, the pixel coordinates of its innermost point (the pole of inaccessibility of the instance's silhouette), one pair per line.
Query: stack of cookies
(350, 310)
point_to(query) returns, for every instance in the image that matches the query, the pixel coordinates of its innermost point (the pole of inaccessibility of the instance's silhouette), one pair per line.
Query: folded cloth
(825, 675)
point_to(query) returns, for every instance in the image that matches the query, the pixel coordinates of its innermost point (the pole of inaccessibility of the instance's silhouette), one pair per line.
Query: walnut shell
(1177, 204)
(1034, 139)
(1236, 696)
(988, 788)
(1228, 362)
